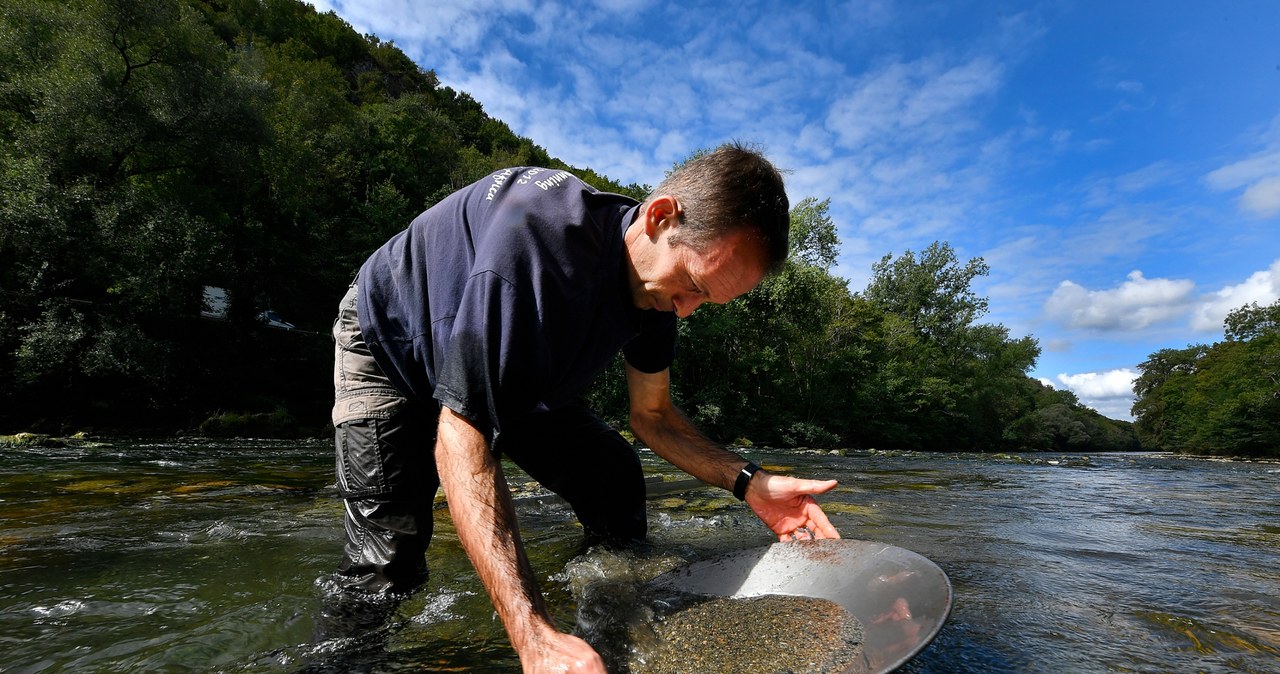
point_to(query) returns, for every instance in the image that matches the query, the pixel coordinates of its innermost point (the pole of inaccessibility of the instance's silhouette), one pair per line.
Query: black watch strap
(744, 477)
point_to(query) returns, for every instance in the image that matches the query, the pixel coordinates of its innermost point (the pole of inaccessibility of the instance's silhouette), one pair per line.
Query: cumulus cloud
(1137, 303)
(1140, 302)
(1110, 392)
(1109, 384)
(1261, 287)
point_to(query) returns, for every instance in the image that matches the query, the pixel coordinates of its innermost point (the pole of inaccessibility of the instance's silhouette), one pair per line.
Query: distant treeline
(153, 148)
(1220, 399)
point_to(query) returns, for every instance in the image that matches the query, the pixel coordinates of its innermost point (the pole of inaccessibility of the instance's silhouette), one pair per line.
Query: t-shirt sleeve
(654, 349)
(496, 357)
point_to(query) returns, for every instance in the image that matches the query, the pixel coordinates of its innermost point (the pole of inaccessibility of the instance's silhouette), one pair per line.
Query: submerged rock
(43, 441)
(32, 440)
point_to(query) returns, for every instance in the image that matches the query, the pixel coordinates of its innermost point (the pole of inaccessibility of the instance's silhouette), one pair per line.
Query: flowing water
(210, 556)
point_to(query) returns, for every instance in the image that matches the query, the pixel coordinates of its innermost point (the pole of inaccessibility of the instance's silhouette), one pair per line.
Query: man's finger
(825, 528)
(822, 525)
(819, 486)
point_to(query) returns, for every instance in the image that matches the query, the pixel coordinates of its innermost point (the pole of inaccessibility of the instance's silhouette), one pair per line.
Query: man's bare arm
(785, 504)
(664, 428)
(484, 516)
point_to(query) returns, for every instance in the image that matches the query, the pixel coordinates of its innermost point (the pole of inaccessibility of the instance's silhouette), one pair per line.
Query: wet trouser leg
(576, 455)
(385, 467)
(387, 479)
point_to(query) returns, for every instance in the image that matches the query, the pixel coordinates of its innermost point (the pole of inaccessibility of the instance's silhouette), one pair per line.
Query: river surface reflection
(212, 556)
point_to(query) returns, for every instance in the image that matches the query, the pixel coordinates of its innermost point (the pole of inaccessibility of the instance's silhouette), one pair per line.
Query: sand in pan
(770, 633)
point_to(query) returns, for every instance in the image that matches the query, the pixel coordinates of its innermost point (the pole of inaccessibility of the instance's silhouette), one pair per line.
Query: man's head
(709, 233)
(732, 188)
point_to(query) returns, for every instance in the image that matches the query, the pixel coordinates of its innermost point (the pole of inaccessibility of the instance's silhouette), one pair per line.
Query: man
(476, 330)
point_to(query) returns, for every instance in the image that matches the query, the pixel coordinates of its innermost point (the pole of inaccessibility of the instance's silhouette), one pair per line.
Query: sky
(1116, 164)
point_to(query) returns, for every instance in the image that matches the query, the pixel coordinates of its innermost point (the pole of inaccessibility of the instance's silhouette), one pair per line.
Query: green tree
(1161, 389)
(1252, 321)
(1218, 399)
(125, 129)
(944, 380)
(814, 241)
(1058, 422)
(933, 292)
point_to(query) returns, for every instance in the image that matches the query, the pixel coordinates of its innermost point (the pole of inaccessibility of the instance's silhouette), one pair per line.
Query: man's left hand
(786, 505)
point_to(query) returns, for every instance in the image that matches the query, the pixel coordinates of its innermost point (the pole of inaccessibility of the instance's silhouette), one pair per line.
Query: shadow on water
(206, 556)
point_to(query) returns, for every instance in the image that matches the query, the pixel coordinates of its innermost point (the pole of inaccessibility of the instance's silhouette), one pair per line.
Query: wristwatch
(744, 478)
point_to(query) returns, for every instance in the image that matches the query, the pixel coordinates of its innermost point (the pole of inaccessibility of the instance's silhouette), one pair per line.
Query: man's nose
(685, 305)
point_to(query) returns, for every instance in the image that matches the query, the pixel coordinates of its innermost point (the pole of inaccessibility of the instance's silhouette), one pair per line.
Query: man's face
(672, 276)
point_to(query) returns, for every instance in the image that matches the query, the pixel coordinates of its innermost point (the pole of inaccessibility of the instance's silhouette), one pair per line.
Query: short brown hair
(730, 188)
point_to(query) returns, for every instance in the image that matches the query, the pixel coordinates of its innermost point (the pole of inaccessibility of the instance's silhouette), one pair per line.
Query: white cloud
(1262, 198)
(460, 23)
(1137, 303)
(1151, 175)
(919, 100)
(1110, 392)
(1262, 287)
(496, 84)
(872, 108)
(1246, 171)
(1259, 174)
(624, 6)
(1109, 384)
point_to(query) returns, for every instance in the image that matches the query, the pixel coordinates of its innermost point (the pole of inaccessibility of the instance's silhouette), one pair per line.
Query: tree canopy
(1222, 398)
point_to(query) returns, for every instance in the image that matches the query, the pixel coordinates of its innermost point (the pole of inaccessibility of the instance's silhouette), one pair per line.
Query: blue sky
(1117, 164)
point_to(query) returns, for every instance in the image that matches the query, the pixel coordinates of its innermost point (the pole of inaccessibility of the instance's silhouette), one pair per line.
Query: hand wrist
(536, 632)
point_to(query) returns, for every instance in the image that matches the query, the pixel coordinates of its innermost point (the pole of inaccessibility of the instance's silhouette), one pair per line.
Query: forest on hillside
(157, 149)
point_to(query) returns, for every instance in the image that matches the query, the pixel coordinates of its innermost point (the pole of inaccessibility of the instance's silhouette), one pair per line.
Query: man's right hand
(559, 653)
(786, 505)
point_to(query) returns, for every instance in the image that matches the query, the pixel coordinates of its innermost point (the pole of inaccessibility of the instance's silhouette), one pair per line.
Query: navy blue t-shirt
(508, 297)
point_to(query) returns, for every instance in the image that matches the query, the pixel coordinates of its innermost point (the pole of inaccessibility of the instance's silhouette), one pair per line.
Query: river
(213, 556)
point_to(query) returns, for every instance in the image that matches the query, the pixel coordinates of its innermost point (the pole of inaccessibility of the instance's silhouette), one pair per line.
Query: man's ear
(663, 211)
